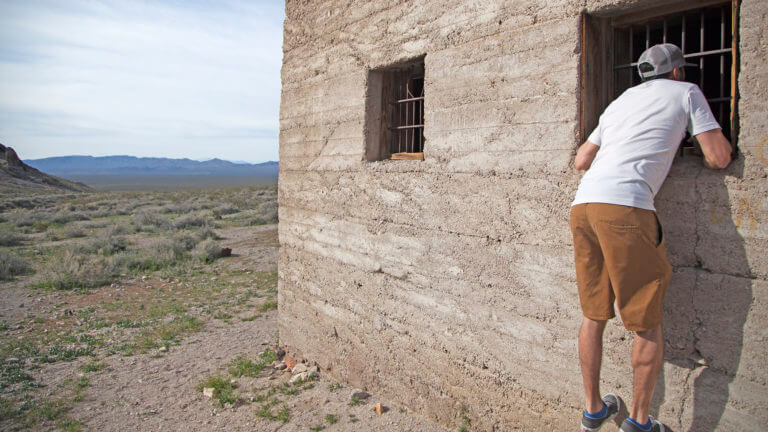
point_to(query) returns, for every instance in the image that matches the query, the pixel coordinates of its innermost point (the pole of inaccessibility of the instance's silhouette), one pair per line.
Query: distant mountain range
(76, 167)
(18, 178)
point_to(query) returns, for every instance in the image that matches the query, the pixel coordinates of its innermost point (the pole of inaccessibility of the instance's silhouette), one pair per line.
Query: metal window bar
(712, 80)
(408, 115)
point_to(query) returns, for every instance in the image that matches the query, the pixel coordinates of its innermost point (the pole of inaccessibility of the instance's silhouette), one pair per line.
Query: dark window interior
(612, 43)
(705, 37)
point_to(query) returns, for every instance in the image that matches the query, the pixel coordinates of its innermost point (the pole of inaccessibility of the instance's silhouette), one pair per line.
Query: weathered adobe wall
(450, 282)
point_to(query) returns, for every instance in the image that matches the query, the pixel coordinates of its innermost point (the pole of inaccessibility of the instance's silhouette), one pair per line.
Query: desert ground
(156, 311)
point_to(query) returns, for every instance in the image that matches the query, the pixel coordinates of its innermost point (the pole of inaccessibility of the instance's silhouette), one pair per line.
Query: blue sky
(197, 79)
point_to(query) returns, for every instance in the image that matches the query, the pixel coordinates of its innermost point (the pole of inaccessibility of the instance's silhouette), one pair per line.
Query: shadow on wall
(706, 308)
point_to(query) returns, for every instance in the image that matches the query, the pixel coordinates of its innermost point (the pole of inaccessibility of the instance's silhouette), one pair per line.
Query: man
(618, 241)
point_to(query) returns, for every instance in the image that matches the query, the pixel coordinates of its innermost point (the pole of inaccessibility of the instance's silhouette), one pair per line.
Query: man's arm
(585, 155)
(716, 148)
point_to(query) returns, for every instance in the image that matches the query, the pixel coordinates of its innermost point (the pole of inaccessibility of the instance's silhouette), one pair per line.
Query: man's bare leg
(591, 356)
(647, 358)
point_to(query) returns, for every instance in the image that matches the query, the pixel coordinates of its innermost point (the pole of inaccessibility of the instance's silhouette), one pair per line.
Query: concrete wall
(450, 282)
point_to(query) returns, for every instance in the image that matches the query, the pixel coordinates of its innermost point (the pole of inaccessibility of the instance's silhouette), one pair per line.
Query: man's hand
(585, 155)
(716, 148)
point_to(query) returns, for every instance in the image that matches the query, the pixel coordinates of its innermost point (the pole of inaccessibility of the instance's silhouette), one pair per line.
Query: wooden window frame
(394, 124)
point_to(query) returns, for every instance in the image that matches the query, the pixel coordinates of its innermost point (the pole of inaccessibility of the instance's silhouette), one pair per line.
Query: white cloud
(177, 79)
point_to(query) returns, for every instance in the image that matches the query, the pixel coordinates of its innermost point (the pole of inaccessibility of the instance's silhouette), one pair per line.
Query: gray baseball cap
(662, 58)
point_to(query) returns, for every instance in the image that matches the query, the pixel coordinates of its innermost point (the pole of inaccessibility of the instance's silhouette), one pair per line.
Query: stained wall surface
(448, 283)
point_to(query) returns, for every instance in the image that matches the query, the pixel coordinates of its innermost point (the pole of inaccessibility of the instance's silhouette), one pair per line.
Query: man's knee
(654, 335)
(649, 347)
(589, 323)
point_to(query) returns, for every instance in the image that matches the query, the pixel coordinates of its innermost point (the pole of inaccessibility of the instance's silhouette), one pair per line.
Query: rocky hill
(17, 178)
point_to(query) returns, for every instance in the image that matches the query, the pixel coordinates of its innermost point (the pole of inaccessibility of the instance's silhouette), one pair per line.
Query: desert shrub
(40, 226)
(190, 221)
(226, 209)
(145, 219)
(52, 234)
(207, 250)
(122, 229)
(265, 214)
(25, 218)
(66, 217)
(10, 238)
(183, 243)
(95, 224)
(12, 265)
(39, 220)
(70, 270)
(74, 231)
(207, 233)
(158, 256)
(105, 244)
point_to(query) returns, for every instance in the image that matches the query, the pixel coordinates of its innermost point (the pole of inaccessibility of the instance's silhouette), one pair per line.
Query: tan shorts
(620, 255)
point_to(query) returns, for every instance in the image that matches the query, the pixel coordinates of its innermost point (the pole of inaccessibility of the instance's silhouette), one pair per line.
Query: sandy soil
(158, 391)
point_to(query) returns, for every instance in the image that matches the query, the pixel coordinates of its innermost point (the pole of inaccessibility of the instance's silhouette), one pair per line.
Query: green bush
(183, 243)
(207, 250)
(225, 390)
(12, 266)
(40, 226)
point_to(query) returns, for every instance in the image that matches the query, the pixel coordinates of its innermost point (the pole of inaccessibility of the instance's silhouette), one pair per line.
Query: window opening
(394, 121)
(407, 114)
(707, 35)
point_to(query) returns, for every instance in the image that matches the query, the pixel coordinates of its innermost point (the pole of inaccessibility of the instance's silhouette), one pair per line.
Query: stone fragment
(209, 392)
(11, 360)
(379, 409)
(299, 377)
(359, 395)
(163, 349)
(289, 362)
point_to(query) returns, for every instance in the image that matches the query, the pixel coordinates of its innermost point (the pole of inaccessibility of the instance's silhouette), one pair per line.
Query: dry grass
(75, 246)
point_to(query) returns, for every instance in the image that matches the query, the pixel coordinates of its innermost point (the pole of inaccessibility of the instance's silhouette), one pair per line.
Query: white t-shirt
(638, 135)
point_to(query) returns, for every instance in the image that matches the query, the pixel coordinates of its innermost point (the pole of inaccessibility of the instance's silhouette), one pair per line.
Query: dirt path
(159, 390)
(159, 394)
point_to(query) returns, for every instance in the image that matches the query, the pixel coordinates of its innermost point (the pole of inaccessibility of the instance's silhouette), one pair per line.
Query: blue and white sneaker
(593, 423)
(652, 426)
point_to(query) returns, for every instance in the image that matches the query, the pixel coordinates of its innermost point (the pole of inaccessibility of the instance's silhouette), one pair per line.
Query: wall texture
(449, 282)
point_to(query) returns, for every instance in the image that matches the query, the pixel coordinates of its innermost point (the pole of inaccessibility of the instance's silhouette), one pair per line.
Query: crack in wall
(697, 322)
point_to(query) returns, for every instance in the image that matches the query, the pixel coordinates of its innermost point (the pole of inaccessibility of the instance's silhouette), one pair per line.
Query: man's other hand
(716, 148)
(585, 155)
